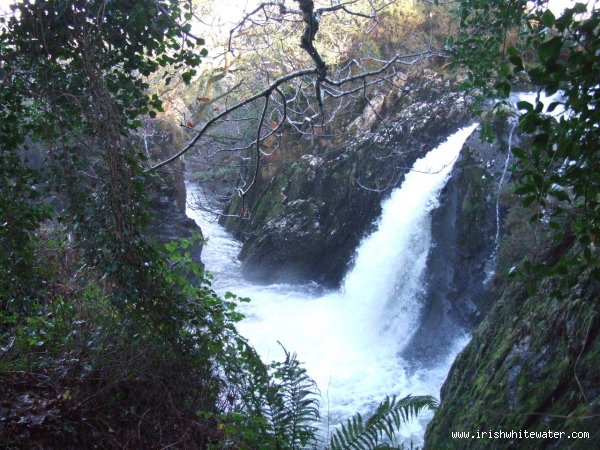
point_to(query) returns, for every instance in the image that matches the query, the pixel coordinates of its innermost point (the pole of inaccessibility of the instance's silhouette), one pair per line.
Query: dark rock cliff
(462, 259)
(531, 366)
(307, 220)
(168, 219)
(165, 190)
(167, 195)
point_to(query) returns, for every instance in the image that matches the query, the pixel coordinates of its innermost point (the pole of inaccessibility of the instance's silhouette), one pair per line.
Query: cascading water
(350, 340)
(493, 259)
(558, 111)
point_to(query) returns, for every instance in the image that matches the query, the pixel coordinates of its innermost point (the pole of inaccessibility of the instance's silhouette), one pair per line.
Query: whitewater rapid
(350, 339)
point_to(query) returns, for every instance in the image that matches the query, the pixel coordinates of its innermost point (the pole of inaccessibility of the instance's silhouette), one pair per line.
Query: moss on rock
(531, 366)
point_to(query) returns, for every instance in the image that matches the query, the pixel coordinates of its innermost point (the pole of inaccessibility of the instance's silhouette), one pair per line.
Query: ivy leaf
(525, 189)
(550, 50)
(525, 105)
(503, 88)
(554, 225)
(187, 76)
(559, 195)
(548, 18)
(517, 62)
(553, 106)
(519, 152)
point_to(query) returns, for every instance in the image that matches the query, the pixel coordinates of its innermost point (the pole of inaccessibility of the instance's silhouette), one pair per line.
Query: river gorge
(352, 339)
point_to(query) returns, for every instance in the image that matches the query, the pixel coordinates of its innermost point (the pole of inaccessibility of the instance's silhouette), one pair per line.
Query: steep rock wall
(165, 190)
(531, 366)
(462, 258)
(532, 363)
(167, 195)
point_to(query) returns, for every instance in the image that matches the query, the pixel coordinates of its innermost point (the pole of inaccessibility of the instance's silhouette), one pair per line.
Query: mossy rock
(532, 365)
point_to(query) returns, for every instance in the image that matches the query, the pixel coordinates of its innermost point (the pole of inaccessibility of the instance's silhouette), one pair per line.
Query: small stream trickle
(500, 184)
(493, 259)
(532, 98)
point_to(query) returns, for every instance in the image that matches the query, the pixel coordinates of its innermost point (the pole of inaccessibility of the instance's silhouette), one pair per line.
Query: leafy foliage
(487, 28)
(279, 404)
(557, 170)
(281, 411)
(560, 168)
(110, 319)
(373, 432)
(292, 406)
(73, 80)
(20, 213)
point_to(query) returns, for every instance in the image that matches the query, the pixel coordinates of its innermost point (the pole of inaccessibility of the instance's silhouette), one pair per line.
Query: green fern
(293, 406)
(280, 401)
(391, 414)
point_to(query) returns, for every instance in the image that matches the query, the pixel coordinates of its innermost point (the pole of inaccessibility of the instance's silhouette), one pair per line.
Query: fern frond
(281, 401)
(293, 405)
(387, 419)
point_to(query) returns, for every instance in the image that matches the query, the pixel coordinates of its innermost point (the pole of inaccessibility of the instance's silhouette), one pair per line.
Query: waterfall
(350, 339)
(501, 183)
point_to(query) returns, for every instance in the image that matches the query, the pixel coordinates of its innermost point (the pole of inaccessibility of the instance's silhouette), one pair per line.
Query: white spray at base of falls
(350, 340)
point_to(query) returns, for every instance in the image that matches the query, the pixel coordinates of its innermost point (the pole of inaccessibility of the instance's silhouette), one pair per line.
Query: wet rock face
(167, 195)
(316, 231)
(531, 366)
(168, 219)
(307, 219)
(462, 256)
(532, 363)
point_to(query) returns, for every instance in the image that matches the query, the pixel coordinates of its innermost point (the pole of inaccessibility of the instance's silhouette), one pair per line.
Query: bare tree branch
(265, 93)
(294, 101)
(242, 193)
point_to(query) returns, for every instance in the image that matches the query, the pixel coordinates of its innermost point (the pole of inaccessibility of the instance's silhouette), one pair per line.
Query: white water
(350, 340)
(545, 100)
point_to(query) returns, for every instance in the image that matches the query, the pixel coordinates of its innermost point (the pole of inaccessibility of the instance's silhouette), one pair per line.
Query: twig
(587, 334)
